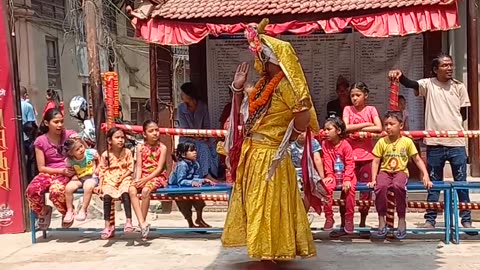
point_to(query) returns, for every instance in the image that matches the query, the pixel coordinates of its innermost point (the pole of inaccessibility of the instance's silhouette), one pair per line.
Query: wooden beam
(472, 84)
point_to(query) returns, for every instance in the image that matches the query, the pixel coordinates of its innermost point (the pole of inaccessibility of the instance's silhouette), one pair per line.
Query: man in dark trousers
(446, 102)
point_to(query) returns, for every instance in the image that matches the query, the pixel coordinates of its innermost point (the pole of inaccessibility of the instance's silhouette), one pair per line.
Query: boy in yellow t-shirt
(393, 152)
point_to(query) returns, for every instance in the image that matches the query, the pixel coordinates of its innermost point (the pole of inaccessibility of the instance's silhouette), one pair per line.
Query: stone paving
(194, 251)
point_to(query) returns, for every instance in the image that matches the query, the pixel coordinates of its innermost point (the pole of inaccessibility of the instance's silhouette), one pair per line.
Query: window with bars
(52, 9)
(138, 111)
(53, 63)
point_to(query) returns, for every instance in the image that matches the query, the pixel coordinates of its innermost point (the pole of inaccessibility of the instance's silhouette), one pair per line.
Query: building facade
(52, 53)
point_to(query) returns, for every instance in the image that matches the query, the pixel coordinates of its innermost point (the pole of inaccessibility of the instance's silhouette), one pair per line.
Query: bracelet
(297, 131)
(235, 89)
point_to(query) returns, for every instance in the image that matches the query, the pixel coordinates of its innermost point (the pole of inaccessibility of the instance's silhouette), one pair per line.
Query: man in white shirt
(446, 101)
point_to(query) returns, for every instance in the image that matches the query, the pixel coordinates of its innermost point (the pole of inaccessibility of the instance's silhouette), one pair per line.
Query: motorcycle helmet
(78, 104)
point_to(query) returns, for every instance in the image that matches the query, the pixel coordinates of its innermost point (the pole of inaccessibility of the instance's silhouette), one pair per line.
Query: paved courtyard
(195, 251)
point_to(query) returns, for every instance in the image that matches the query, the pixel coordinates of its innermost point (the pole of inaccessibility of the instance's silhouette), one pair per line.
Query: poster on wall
(11, 198)
(323, 58)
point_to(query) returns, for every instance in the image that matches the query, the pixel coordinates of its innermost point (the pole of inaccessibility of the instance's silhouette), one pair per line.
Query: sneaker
(310, 217)
(328, 226)
(468, 225)
(349, 227)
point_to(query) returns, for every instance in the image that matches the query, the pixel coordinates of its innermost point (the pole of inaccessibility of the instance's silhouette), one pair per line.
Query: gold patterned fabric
(269, 217)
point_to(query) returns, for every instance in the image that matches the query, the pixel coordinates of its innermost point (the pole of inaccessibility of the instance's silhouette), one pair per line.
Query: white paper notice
(323, 58)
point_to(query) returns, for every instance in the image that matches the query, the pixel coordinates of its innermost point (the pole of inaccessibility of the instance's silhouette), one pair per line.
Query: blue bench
(169, 193)
(418, 186)
(457, 206)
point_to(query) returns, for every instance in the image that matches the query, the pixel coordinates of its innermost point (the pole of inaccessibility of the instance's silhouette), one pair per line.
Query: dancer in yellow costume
(266, 212)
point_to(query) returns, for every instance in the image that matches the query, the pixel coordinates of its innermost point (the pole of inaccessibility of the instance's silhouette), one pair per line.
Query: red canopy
(400, 21)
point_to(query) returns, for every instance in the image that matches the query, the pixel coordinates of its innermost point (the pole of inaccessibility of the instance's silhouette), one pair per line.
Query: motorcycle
(78, 109)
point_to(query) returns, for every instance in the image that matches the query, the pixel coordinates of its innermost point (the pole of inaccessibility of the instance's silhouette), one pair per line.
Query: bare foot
(202, 224)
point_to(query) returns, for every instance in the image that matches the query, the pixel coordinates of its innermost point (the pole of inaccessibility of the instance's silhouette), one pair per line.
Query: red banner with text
(11, 198)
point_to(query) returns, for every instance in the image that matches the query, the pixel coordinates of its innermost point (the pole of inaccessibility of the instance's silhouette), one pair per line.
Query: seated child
(336, 146)
(84, 162)
(116, 169)
(186, 174)
(296, 151)
(393, 153)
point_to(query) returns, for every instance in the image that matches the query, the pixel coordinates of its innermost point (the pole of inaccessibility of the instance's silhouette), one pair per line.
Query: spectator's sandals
(401, 234)
(144, 231)
(128, 228)
(107, 233)
(67, 225)
(381, 233)
(44, 221)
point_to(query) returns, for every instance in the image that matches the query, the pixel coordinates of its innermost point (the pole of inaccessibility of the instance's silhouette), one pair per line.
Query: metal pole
(153, 82)
(18, 118)
(472, 75)
(92, 7)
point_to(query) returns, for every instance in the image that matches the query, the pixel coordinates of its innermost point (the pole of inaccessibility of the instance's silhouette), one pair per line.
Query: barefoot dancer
(266, 211)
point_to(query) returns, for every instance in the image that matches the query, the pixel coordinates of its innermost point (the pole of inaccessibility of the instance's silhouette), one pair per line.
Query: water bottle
(339, 169)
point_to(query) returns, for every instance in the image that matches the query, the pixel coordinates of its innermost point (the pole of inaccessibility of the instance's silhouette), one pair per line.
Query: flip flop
(401, 234)
(67, 225)
(44, 221)
(381, 233)
(69, 216)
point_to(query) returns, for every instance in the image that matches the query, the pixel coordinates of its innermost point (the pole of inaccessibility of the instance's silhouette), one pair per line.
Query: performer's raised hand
(394, 75)
(241, 76)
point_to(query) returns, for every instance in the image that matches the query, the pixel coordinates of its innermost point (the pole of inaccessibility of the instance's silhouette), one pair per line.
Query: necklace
(262, 92)
(394, 147)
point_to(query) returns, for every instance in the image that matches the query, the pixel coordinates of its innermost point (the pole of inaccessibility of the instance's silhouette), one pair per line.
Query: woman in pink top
(360, 117)
(53, 102)
(53, 173)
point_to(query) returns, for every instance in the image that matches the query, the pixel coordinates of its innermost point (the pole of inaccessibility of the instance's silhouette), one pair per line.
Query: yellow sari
(268, 216)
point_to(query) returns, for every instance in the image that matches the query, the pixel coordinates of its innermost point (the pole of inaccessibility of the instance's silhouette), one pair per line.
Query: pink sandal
(128, 228)
(81, 216)
(69, 216)
(107, 233)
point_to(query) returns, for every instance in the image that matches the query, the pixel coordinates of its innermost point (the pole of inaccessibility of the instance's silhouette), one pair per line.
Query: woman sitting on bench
(54, 174)
(187, 174)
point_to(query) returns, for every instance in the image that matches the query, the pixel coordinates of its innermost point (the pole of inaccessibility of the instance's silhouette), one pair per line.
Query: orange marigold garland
(258, 98)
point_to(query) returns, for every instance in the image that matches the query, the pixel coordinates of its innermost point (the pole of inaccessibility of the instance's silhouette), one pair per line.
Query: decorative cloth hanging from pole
(390, 219)
(112, 97)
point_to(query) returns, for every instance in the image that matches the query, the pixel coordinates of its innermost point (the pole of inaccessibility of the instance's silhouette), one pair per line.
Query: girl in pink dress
(53, 172)
(360, 117)
(53, 102)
